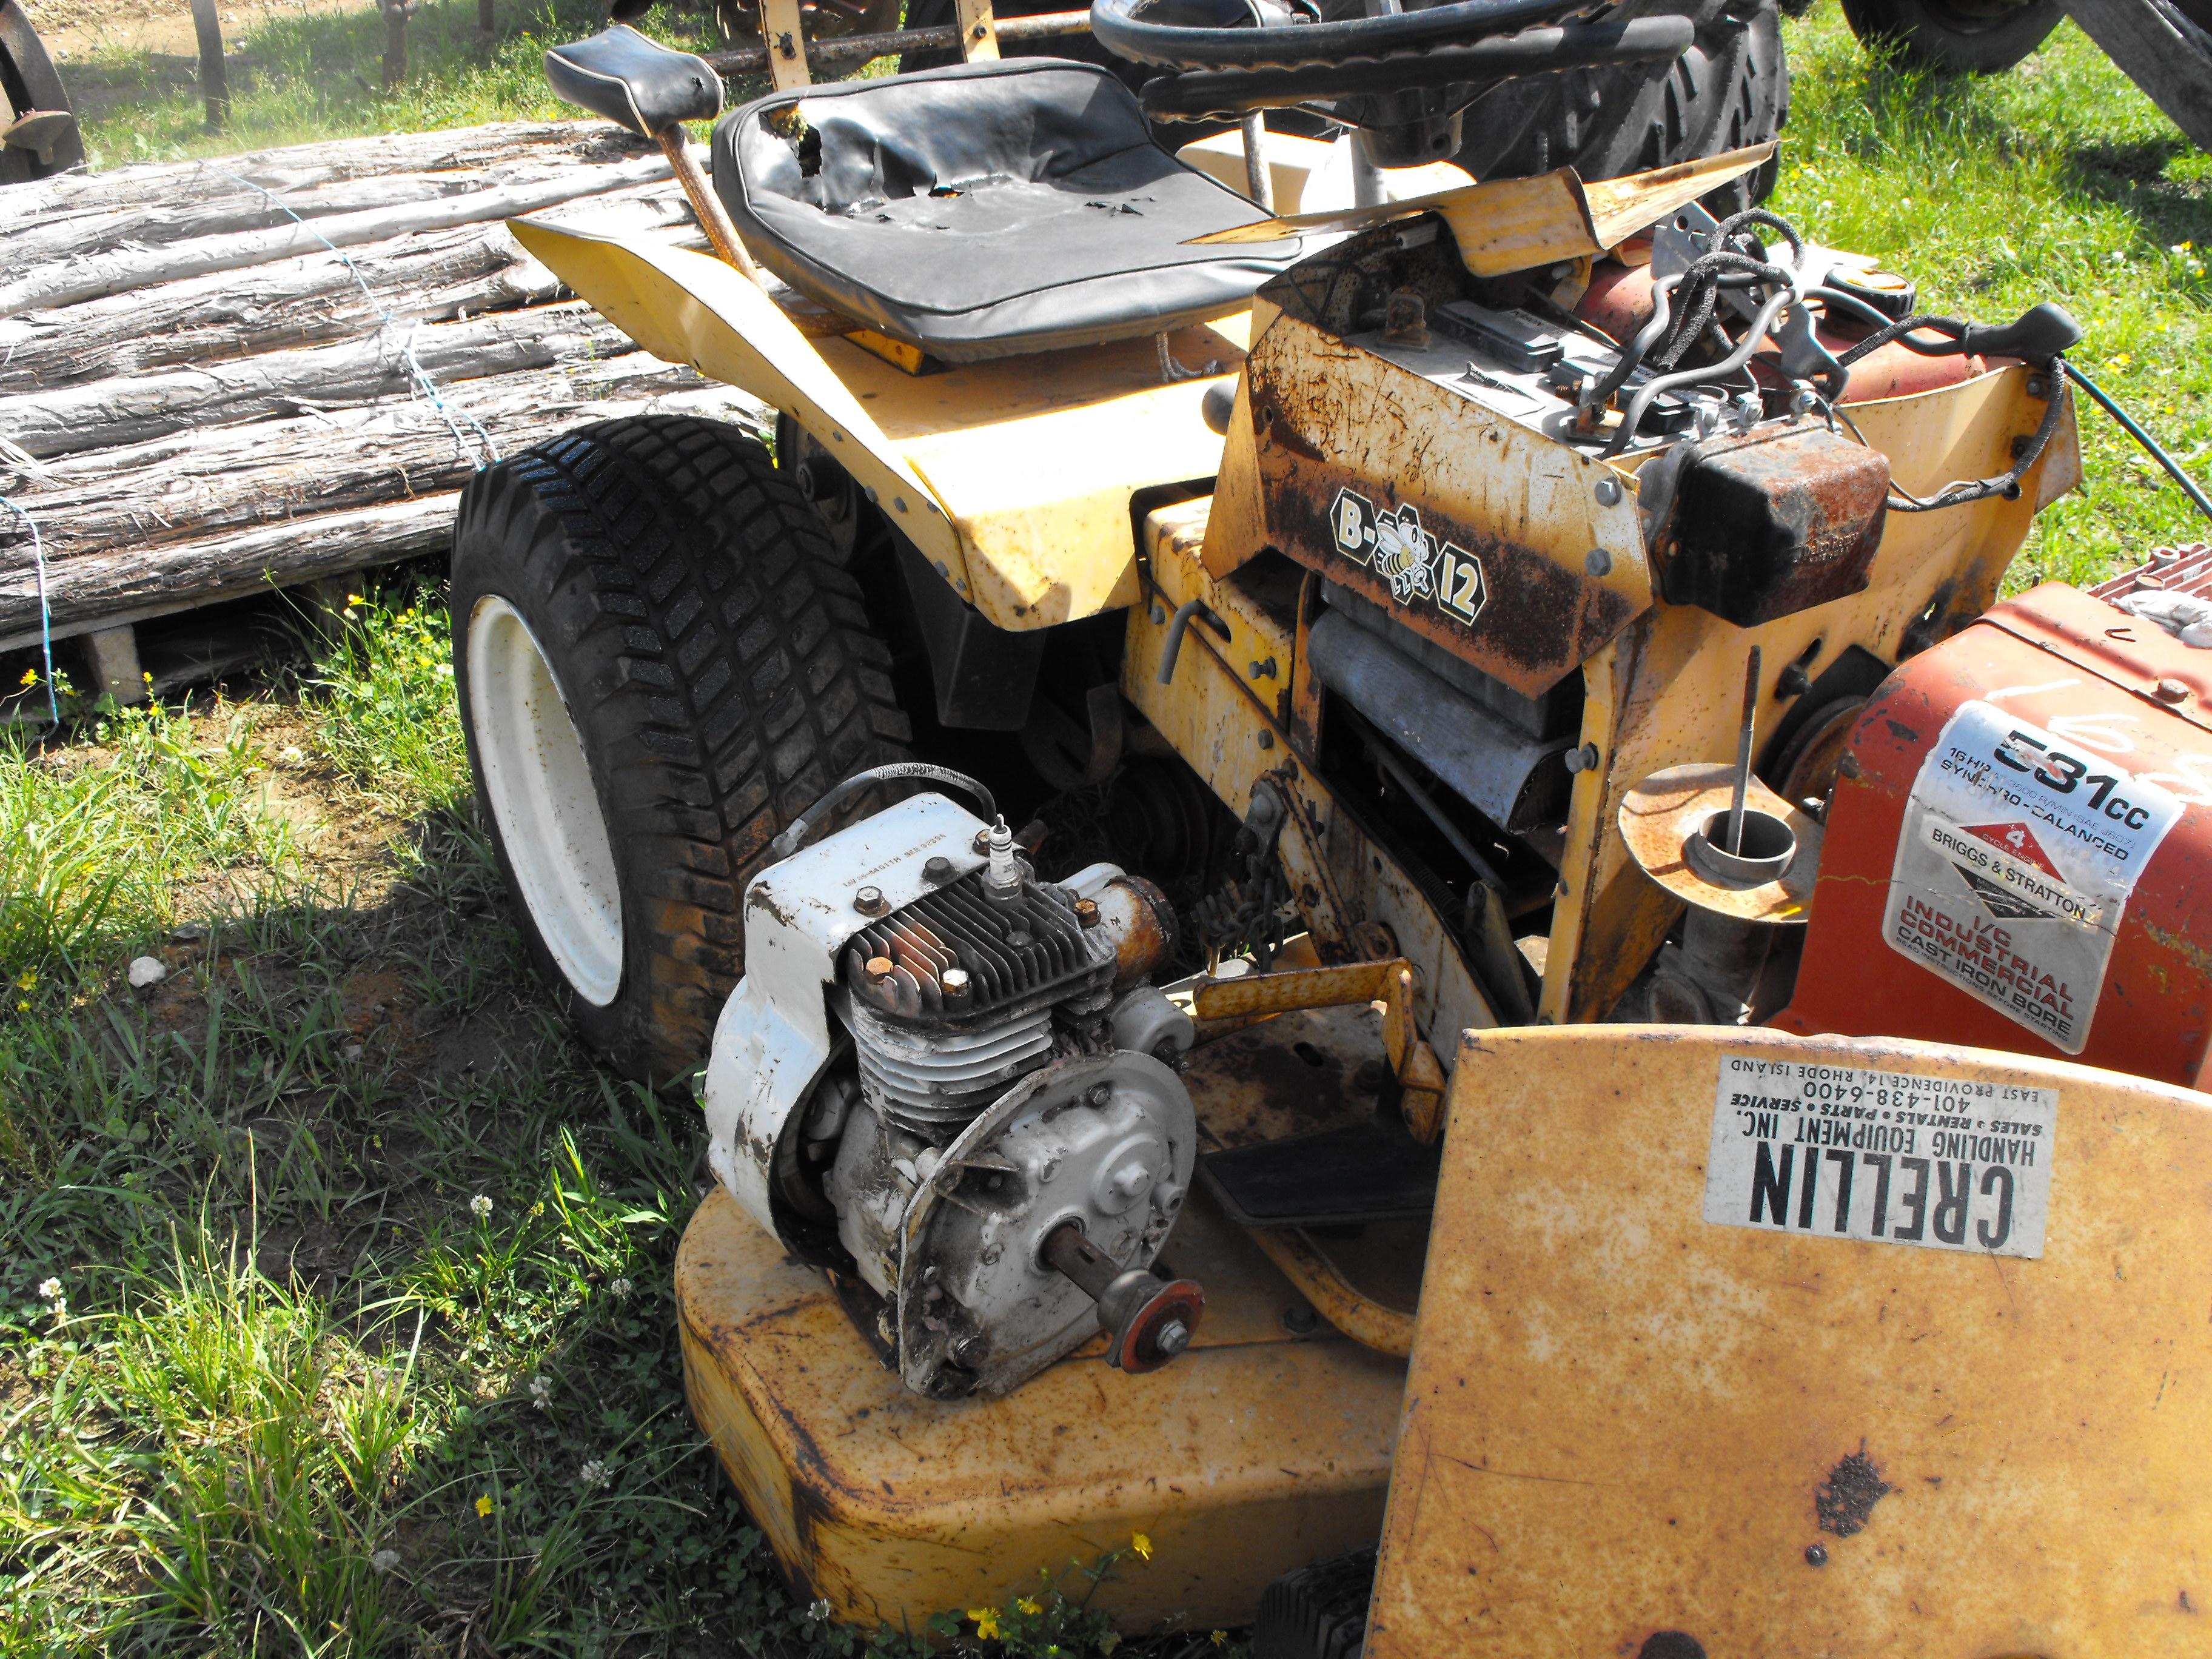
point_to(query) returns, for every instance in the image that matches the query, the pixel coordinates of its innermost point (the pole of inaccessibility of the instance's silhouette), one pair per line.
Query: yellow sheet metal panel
(687, 308)
(1256, 1452)
(1669, 689)
(1037, 457)
(1633, 1410)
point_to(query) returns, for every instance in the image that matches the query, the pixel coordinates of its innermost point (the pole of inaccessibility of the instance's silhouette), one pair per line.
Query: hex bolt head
(879, 969)
(1100, 1094)
(2171, 691)
(1172, 1338)
(1086, 912)
(1598, 561)
(1608, 491)
(1299, 1319)
(972, 1349)
(869, 902)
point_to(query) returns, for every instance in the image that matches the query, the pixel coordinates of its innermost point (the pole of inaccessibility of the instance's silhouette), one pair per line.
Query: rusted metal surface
(2060, 660)
(1763, 523)
(1623, 1419)
(1365, 1321)
(1257, 1451)
(1419, 1074)
(1658, 817)
(1297, 1073)
(1234, 740)
(1669, 690)
(1141, 923)
(2132, 653)
(1330, 418)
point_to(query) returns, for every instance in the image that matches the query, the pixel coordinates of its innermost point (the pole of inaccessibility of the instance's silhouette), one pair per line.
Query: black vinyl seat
(985, 209)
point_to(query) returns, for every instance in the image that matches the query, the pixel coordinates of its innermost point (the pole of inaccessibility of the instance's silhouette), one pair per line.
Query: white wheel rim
(543, 800)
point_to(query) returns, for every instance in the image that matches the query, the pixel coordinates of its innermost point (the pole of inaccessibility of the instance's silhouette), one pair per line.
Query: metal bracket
(979, 30)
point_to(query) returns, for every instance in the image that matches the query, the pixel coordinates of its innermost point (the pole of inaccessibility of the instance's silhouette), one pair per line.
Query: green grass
(2058, 181)
(298, 1391)
(321, 76)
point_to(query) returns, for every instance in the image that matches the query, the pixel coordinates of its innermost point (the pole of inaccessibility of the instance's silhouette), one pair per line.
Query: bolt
(1263, 670)
(1584, 759)
(1367, 1080)
(972, 1350)
(869, 902)
(982, 842)
(953, 983)
(1816, 1555)
(1266, 740)
(1086, 912)
(1100, 1094)
(1597, 562)
(936, 869)
(2037, 387)
(1608, 491)
(879, 969)
(1300, 1320)
(2170, 691)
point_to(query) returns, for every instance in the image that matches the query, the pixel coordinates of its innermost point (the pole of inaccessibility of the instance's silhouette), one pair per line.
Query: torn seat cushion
(985, 209)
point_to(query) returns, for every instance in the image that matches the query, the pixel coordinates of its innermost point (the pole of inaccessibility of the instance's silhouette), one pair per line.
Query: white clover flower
(480, 1207)
(49, 1289)
(619, 1288)
(541, 1393)
(385, 1561)
(595, 1473)
(820, 1611)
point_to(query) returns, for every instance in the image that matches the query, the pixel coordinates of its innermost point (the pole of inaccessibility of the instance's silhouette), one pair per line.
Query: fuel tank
(2019, 850)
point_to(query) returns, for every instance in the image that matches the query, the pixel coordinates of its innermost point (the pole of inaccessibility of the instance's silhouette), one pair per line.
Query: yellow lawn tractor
(1378, 872)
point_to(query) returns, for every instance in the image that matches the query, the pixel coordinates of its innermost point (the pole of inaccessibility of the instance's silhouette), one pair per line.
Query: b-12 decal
(1415, 564)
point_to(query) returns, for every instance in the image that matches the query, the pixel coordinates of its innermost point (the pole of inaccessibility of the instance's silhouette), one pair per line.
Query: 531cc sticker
(1416, 565)
(2014, 867)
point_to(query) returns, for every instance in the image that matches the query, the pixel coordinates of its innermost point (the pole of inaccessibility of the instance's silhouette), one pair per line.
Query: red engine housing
(2018, 853)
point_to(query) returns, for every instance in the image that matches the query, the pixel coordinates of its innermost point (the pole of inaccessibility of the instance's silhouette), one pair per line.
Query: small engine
(954, 1086)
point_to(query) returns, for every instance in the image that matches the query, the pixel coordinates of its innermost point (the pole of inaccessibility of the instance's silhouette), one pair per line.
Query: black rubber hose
(1226, 94)
(1118, 27)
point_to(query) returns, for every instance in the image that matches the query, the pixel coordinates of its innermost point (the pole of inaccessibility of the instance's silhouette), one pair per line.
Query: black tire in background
(717, 669)
(28, 81)
(1960, 37)
(1730, 89)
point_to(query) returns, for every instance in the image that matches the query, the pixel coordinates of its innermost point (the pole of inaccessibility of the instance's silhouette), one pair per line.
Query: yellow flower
(483, 1506)
(1219, 1636)
(28, 979)
(1028, 1605)
(987, 1622)
(1142, 1545)
(23, 1008)
(30, 676)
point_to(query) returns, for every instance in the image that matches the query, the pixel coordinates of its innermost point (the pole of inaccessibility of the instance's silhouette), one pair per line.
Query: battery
(2017, 852)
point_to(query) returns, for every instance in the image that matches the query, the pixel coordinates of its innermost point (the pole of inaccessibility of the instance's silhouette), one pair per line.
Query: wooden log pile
(221, 377)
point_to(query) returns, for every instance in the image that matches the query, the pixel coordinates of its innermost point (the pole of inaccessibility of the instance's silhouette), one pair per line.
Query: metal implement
(1854, 1417)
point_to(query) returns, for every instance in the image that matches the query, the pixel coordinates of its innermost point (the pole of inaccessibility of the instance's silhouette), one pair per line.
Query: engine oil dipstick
(1743, 755)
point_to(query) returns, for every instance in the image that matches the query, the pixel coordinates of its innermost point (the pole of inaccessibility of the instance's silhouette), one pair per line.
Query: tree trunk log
(297, 167)
(150, 580)
(96, 276)
(312, 299)
(199, 483)
(130, 409)
(158, 225)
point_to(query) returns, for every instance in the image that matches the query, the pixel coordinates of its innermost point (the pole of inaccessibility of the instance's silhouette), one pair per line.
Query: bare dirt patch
(79, 29)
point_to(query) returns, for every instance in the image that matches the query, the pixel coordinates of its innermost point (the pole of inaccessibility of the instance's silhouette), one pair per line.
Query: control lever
(2036, 336)
(1148, 1320)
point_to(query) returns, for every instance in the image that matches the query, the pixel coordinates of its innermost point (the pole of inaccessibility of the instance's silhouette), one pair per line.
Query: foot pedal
(1371, 1171)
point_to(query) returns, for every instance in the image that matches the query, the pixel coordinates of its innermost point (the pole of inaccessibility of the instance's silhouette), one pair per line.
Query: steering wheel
(1401, 78)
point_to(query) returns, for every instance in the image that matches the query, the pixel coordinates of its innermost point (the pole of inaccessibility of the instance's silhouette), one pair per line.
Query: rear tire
(1730, 90)
(660, 663)
(1959, 37)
